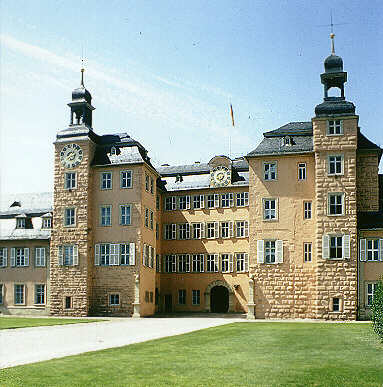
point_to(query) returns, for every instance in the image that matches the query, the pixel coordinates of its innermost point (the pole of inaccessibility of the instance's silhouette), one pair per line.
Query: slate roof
(365, 144)
(291, 129)
(31, 204)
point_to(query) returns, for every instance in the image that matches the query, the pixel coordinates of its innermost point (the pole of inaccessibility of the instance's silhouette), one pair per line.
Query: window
(183, 263)
(212, 263)
(227, 200)
(147, 255)
(302, 171)
(151, 297)
(197, 263)
(20, 222)
(106, 215)
(307, 251)
(170, 231)
(334, 127)
(126, 256)
(371, 249)
(147, 179)
(170, 264)
(47, 222)
(113, 254)
(69, 217)
(151, 185)
(182, 296)
(19, 256)
(70, 180)
(227, 263)
(40, 294)
(241, 228)
(104, 254)
(269, 209)
(1, 293)
(198, 230)
(270, 171)
(40, 256)
(3, 256)
(170, 203)
(19, 295)
(371, 288)
(157, 202)
(225, 229)
(336, 246)
(151, 223)
(184, 231)
(196, 297)
(335, 165)
(106, 180)
(68, 255)
(198, 201)
(126, 179)
(242, 262)
(336, 304)
(242, 199)
(269, 251)
(158, 263)
(184, 202)
(125, 214)
(157, 231)
(335, 204)
(212, 229)
(213, 201)
(68, 302)
(114, 299)
(146, 217)
(307, 210)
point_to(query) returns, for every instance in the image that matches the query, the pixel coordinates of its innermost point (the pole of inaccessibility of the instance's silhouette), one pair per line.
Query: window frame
(264, 172)
(244, 199)
(302, 171)
(103, 180)
(42, 257)
(275, 200)
(127, 217)
(69, 217)
(307, 212)
(72, 181)
(123, 179)
(3, 257)
(114, 295)
(334, 126)
(102, 217)
(196, 297)
(45, 220)
(15, 294)
(329, 162)
(329, 205)
(374, 286)
(36, 295)
(307, 252)
(20, 223)
(227, 200)
(181, 297)
(242, 260)
(170, 203)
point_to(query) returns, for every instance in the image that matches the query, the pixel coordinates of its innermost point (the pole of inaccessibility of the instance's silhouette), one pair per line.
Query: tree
(377, 310)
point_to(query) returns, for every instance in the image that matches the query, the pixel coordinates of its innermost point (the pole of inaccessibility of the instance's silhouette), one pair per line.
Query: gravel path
(30, 345)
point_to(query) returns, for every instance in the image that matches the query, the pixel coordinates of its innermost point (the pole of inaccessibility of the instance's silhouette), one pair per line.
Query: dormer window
(113, 150)
(20, 222)
(47, 223)
(287, 140)
(334, 127)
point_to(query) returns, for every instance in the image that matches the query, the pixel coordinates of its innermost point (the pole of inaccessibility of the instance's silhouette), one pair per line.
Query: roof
(239, 165)
(365, 144)
(31, 204)
(24, 234)
(292, 128)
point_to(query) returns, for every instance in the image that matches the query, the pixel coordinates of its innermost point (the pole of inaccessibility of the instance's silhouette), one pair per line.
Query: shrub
(377, 310)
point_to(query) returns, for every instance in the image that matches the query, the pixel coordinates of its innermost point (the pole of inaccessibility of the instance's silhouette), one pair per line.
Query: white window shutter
(13, 257)
(75, 255)
(246, 228)
(187, 230)
(246, 265)
(188, 262)
(203, 263)
(26, 255)
(380, 250)
(216, 200)
(97, 255)
(326, 246)
(231, 263)
(346, 246)
(132, 253)
(174, 231)
(202, 230)
(231, 229)
(202, 201)
(174, 263)
(5, 252)
(43, 256)
(61, 256)
(188, 202)
(260, 253)
(231, 199)
(153, 257)
(279, 251)
(216, 229)
(216, 262)
(114, 254)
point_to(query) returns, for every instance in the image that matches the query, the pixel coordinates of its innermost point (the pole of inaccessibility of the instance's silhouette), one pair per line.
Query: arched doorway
(219, 299)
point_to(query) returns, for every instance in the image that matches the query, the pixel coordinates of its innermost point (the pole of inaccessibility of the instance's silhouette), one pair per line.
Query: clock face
(220, 176)
(71, 155)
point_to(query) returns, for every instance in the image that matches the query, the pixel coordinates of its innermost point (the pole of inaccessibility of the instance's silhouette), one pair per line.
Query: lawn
(239, 354)
(25, 322)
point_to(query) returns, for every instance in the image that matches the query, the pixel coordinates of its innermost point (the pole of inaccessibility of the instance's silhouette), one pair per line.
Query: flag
(232, 114)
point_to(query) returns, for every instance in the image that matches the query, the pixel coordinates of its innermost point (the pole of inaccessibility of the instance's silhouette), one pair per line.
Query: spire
(82, 72)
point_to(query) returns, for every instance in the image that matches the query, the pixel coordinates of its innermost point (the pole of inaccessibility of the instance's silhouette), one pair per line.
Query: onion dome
(333, 63)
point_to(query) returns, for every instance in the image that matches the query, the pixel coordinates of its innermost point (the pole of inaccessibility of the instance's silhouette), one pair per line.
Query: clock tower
(71, 241)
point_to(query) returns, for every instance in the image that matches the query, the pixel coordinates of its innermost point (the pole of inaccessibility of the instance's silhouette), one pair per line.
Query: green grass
(25, 322)
(240, 354)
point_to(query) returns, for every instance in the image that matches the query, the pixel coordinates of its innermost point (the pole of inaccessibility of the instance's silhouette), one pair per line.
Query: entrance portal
(219, 299)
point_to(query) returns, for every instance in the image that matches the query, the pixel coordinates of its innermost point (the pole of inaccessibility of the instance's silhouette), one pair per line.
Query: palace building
(293, 229)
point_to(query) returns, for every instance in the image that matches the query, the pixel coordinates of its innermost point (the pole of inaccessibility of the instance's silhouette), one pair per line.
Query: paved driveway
(29, 345)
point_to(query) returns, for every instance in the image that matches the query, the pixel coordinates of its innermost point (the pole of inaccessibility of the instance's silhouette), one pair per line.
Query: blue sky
(166, 71)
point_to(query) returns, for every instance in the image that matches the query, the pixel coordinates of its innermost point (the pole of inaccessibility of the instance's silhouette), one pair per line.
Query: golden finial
(332, 35)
